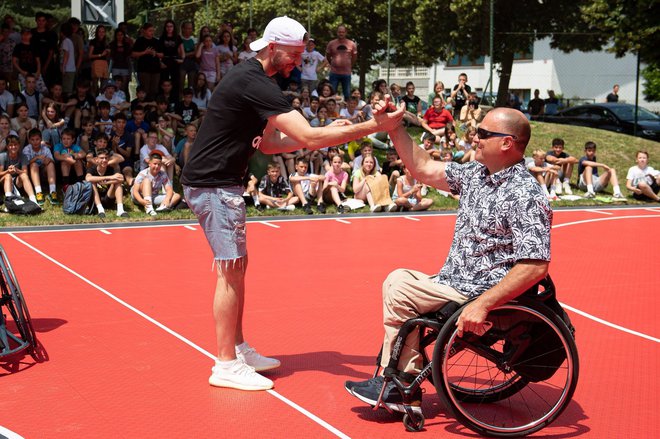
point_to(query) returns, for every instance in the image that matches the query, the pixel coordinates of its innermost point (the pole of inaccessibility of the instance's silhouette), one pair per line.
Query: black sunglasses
(485, 134)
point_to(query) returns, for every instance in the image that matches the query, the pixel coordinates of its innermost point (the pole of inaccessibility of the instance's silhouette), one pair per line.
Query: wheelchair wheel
(515, 379)
(13, 299)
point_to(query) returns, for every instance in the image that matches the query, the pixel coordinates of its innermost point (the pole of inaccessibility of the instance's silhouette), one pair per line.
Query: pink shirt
(340, 54)
(339, 178)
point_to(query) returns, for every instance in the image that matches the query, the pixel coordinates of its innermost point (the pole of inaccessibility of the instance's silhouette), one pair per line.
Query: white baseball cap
(281, 30)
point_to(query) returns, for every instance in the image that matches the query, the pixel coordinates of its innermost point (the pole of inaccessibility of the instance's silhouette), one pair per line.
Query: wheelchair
(512, 381)
(12, 303)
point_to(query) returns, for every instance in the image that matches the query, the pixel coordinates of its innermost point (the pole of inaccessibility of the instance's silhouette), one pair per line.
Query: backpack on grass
(21, 206)
(78, 199)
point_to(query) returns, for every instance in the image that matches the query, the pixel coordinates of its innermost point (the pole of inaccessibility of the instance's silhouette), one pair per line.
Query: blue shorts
(221, 214)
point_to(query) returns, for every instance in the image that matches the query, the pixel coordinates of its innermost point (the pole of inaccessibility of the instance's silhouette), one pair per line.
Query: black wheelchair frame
(526, 365)
(11, 299)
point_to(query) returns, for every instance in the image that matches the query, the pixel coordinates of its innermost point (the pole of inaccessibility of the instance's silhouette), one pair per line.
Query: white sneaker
(425, 190)
(163, 208)
(238, 375)
(558, 187)
(376, 208)
(287, 208)
(619, 197)
(567, 188)
(590, 195)
(150, 211)
(392, 207)
(255, 360)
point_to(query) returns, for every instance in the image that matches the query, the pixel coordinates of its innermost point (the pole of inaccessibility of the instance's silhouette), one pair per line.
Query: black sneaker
(369, 391)
(341, 209)
(320, 208)
(308, 209)
(260, 207)
(102, 215)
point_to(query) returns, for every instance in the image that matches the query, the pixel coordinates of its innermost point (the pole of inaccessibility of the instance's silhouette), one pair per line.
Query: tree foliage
(652, 83)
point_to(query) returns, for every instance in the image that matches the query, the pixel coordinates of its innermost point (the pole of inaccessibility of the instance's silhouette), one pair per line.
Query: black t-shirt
(460, 98)
(86, 103)
(147, 63)
(411, 103)
(171, 46)
(27, 59)
(188, 113)
(42, 43)
(612, 97)
(237, 114)
(535, 106)
(94, 172)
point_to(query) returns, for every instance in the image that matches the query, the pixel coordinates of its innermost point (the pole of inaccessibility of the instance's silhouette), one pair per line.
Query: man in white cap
(247, 111)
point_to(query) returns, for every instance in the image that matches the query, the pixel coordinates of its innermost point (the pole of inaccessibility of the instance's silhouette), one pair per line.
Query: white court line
(266, 223)
(190, 227)
(343, 221)
(411, 218)
(9, 434)
(287, 401)
(601, 212)
(594, 220)
(105, 231)
(653, 209)
(611, 325)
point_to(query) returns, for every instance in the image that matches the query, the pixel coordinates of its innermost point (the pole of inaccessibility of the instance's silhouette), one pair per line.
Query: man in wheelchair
(500, 248)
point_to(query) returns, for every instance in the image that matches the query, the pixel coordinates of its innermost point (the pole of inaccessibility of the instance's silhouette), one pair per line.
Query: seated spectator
(447, 155)
(138, 127)
(413, 103)
(109, 95)
(141, 100)
(334, 184)
(327, 162)
(201, 93)
(69, 155)
(22, 123)
(333, 109)
(101, 142)
(371, 186)
(103, 122)
(544, 173)
(121, 144)
(310, 111)
(7, 98)
(107, 186)
(274, 191)
(642, 180)
(395, 93)
(407, 193)
(351, 112)
(185, 112)
(162, 108)
(152, 187)
(165, 132)
(166, 92)
(51, 125)
(86, 137)
(13, 170)
(366, 148)
(590, 181)
(119, 91)
(326, 92)
(357, 95)
(85, 106)
(379, 139)
(307, 187)
(392, 167)
(436, 118)
(468, 145)
(321, 118)
(471, 114)
(166, 161)
(65, 105)
(438, 92)
(428, 144)
(40, 160)
(5, 131)
(557, 156)
(449, 140)
(182, 148)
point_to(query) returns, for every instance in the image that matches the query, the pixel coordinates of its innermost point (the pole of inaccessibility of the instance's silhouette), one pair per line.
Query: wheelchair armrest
(447, 310)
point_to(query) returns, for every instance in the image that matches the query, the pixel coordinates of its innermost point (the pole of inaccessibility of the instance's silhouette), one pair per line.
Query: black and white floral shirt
(502, 218)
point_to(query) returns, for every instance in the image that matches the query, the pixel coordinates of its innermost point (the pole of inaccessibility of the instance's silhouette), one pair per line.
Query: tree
(461, 27)
(651, 83)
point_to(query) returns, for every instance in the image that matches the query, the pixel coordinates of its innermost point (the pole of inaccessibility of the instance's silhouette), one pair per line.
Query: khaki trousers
(408, 294)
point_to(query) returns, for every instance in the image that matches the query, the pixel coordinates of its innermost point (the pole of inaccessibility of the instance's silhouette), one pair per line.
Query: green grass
(616, 150)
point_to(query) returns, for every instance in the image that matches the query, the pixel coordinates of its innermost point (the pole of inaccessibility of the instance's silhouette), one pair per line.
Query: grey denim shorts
(221, 214)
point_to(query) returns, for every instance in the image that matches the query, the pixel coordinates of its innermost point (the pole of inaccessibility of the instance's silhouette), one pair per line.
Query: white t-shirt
(202, 103)
(309, 62)
(346, 115)
(145, 151)
(635, 174)
(67, 46)
(6, 99)
(244, 56)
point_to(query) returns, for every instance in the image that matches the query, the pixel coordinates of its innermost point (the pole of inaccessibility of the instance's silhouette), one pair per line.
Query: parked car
(609, 116)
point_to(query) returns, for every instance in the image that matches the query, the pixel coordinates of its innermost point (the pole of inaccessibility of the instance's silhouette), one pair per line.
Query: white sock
(8, 194)
(590, 188)
(52, 188)
(120, 208)
(226, 364)
(617, 190)
(33, 198)
(37, 189)
(100, 208)
(256, 200)
(545, 191)
(241, 347)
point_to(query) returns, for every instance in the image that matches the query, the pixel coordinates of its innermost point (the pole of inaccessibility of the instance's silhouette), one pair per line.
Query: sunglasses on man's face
(485, 134)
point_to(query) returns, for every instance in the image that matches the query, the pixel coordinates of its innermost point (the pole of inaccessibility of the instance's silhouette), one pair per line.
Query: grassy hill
(617, 150)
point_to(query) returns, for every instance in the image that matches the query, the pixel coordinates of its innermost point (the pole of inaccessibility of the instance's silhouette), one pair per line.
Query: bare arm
(422, 167)
(290, 131)
(522, 276)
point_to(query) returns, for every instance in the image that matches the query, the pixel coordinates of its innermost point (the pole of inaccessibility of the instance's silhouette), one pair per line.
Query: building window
(464, 61)
(526, 55)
